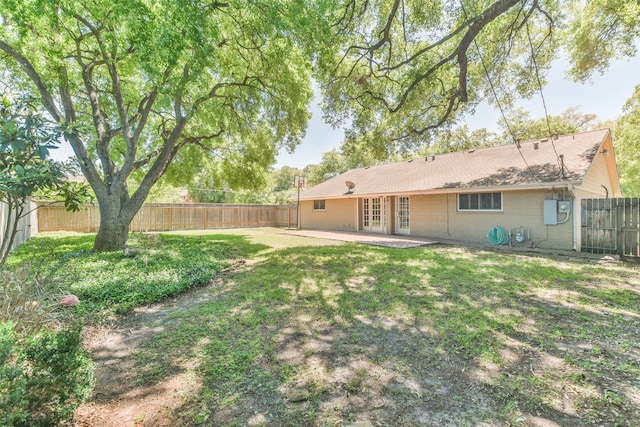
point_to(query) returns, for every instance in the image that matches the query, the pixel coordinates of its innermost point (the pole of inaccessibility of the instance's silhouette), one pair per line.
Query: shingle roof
(487, 167)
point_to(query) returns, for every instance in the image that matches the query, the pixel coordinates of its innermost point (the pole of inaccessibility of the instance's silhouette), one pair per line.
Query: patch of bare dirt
(377, 392)
(117, 399)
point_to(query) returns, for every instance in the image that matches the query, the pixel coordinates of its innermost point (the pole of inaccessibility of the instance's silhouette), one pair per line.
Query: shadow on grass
(424, 336)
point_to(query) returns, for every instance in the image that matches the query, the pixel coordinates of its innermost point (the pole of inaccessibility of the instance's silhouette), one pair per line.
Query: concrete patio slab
(390, 241)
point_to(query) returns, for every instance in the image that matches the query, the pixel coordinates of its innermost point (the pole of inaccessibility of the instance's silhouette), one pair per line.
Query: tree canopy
(406, 68)
(627, 145)
(138, 86)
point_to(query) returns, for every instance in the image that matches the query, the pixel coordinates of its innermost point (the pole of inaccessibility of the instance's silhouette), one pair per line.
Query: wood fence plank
(632, 226)
(611, 226)
(164, 217)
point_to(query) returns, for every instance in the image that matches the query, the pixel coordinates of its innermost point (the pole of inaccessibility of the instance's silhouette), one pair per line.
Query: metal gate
(611, 226)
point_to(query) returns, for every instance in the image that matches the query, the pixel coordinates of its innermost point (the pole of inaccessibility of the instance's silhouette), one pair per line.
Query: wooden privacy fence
(172, 216)
(611, 226)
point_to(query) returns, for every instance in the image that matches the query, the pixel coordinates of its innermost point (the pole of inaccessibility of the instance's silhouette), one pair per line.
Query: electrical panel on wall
(550, 212)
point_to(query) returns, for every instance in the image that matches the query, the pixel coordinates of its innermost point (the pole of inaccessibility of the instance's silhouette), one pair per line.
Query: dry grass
(29, 300)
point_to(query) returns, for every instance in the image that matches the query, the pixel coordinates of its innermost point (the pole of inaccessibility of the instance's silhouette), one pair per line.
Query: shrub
(28, 300)
(44, 378)
(13, 382)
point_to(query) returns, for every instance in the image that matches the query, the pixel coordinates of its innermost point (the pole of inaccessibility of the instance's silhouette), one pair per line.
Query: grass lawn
(312, 332)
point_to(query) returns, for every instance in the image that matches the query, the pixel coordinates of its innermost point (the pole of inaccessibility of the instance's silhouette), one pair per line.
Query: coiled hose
(497, 236)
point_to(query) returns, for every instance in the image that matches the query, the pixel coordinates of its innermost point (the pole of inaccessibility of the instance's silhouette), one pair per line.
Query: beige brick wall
(340, 214)
(437, 216)
(428, 215)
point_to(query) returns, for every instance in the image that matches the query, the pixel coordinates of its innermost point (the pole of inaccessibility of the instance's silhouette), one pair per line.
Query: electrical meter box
(564, 206)
(550, 212)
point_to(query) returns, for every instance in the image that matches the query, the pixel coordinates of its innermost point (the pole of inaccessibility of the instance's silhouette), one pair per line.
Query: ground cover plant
(45, 372)
(298, 331)
(152, 268)
(44, 376)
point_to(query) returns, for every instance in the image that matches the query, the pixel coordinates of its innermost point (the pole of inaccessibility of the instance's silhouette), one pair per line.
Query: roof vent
(535, 145)
(433, 157)
(544, 139)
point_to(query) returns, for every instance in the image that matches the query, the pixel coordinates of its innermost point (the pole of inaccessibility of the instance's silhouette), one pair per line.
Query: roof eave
(486, 189)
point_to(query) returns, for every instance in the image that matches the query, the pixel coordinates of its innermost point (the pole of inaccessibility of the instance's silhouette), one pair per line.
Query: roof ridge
(506, 144)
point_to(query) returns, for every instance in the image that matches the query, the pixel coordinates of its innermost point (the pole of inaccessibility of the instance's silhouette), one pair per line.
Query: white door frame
(374, 214)
(403, 225)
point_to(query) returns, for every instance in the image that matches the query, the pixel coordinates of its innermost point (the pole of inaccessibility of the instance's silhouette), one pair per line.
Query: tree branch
(110, 60)
(27, 67)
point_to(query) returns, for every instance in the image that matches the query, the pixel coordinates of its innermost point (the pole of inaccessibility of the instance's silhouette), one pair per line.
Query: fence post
(620, 208)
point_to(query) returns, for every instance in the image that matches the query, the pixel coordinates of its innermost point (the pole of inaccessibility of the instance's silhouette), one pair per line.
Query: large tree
(599, 31)
(518, 124)
(407, 67)
(627, 146)
(138, 85)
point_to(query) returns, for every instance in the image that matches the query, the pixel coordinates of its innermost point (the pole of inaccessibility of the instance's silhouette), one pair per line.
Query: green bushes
(46, 375)
(43, 378)
(44, 372)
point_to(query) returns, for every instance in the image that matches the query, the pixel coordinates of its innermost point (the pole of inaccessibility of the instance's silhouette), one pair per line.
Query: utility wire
(544, 104)
(493, 90)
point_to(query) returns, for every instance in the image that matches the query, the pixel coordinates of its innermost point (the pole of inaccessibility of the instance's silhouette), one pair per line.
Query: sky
(604, 96)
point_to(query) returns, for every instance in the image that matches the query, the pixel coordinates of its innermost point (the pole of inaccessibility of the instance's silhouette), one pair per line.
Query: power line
(544, 104)
(495, 94)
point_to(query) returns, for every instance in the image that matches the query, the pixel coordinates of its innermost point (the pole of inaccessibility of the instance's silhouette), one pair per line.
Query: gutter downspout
(574, 226)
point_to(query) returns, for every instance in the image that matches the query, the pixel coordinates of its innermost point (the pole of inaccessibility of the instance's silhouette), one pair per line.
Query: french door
(402, 215)
(373, 214)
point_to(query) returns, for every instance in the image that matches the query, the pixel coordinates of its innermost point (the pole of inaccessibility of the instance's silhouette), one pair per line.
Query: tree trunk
(112, 234)
(116, 214)
(14, 211)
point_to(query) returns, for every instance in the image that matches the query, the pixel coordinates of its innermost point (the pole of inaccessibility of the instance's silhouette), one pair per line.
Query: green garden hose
(497, 236)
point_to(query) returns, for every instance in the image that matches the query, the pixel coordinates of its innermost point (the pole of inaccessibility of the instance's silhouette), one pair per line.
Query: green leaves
(403, 69)
(49, 377)
(155, 267)
(601, 30)
(25, 169)
(627, 146)
(137, 85)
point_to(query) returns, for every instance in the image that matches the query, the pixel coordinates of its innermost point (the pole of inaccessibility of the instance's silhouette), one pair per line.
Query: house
(531, 190)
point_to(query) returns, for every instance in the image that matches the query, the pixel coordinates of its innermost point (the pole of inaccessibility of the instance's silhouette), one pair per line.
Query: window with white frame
(319, 205)
(480, 202)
